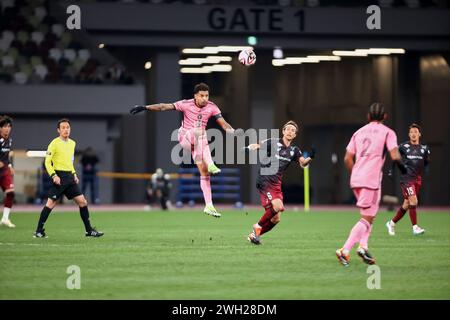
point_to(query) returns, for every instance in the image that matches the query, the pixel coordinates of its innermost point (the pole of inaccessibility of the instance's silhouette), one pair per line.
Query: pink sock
(365, 238)
(202, 149)
(357, 232)
(205, 184)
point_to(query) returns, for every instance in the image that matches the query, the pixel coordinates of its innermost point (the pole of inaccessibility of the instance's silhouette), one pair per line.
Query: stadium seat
(8, 61)
(35, 60)
(8, 35)
(66, 38)
(37, 37)
(4, 45)
(57, 29)
(20, 78)
(55, 54)
(41, 71)
(84, 54)
(40, 13)
(70, 54)
(26, 69)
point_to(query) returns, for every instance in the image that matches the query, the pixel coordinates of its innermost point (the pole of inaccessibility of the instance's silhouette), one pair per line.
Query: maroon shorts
(270, 194)
(6, 180)
(410, 189)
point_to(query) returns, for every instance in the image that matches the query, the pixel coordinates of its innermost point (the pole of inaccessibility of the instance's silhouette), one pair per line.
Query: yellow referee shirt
(60, 156)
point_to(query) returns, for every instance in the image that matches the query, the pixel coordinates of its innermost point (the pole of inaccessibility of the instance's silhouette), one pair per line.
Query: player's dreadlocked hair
(292, 123)
(201, 87)
(376, 111)
(5, 120)
(415, 125)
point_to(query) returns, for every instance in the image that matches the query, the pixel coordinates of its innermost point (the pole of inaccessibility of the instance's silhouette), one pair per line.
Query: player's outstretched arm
(153, 107)
(305, 161)
(228, 128)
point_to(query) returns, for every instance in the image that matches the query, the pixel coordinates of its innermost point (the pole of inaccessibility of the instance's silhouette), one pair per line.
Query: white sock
(6, 212)
(392, 223)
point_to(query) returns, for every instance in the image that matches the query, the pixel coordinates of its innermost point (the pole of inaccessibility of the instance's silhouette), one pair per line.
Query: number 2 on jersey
(366, 145)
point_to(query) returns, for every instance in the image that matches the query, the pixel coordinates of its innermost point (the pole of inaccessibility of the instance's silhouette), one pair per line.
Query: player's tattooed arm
(160, 107)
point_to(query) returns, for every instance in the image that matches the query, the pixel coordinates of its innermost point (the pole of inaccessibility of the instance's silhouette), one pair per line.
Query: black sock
(44, 215)
(84, 213)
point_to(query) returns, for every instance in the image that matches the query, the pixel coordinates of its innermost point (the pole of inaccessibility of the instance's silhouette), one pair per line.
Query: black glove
(312, 153)
(239, 132)
(401, 166)
(390, 174)
(137, 109)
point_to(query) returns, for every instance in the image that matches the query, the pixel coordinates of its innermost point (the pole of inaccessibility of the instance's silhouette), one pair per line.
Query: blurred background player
(89, 177)
(59, 165)
(416, 158)
(368, 146)
(6, 169)
(158, 188)
(277, 153)
(192, 134)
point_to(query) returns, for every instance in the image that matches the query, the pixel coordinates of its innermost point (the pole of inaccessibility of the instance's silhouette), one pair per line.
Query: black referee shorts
(68, 187)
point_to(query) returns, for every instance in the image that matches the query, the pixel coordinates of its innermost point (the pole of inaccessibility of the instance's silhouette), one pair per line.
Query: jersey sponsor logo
(282, 158)
(413, 157)
(422, 150)
(6, 149)
(406, 145)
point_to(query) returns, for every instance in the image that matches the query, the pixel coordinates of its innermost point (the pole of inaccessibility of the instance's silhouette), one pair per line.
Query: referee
(59, 165)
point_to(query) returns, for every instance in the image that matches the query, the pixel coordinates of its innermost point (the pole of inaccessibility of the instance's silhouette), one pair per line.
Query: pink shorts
(368, 200)
(194, 141)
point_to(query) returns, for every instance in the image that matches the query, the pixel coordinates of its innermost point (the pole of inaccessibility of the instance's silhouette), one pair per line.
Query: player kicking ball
(59, 165)
(192, 135)
(367, 145)
(278, 154)
(416, 157)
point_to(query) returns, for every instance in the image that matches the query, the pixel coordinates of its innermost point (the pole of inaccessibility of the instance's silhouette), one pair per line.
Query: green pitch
(188, 255)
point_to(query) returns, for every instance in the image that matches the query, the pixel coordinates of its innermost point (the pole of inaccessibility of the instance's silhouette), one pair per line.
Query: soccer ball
(247, 57)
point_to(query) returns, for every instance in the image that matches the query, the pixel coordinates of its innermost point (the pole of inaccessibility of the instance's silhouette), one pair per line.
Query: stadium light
(346, 53)
(278, 53)
(101, 45)
(326, 58)
(277, 62)
(148, 65)
(195, 70)
(220, 68)
(252, 40)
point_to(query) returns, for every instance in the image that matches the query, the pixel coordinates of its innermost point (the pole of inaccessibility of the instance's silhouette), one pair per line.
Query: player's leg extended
(8, 203)
(205, 185)
(390, 225)
(40, 231)
(81, 201)
(276, 208)
(202, 151)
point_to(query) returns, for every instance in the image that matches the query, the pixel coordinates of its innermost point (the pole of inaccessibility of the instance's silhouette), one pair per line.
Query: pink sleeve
(215, 111)
(179, 105)
(351, 145)
(391, 140)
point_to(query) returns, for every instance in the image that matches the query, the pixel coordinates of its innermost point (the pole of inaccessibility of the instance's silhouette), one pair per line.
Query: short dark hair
(415, 125)
(5, 120)
(201, 87)
(291, 123)
(63, 120)
(376, 111)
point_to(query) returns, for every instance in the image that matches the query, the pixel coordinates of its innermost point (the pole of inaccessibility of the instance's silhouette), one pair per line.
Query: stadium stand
(36, 48)
(226, 186)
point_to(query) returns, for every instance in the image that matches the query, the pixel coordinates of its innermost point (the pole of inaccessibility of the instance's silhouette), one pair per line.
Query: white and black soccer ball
(247, 57)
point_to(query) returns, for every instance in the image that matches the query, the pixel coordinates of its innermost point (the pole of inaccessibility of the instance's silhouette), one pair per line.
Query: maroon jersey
(415, 158)
(5, 148)
(276, 158)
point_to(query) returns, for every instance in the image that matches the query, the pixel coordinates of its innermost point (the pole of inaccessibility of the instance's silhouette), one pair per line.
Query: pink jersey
(368, 146)
(195, 117)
